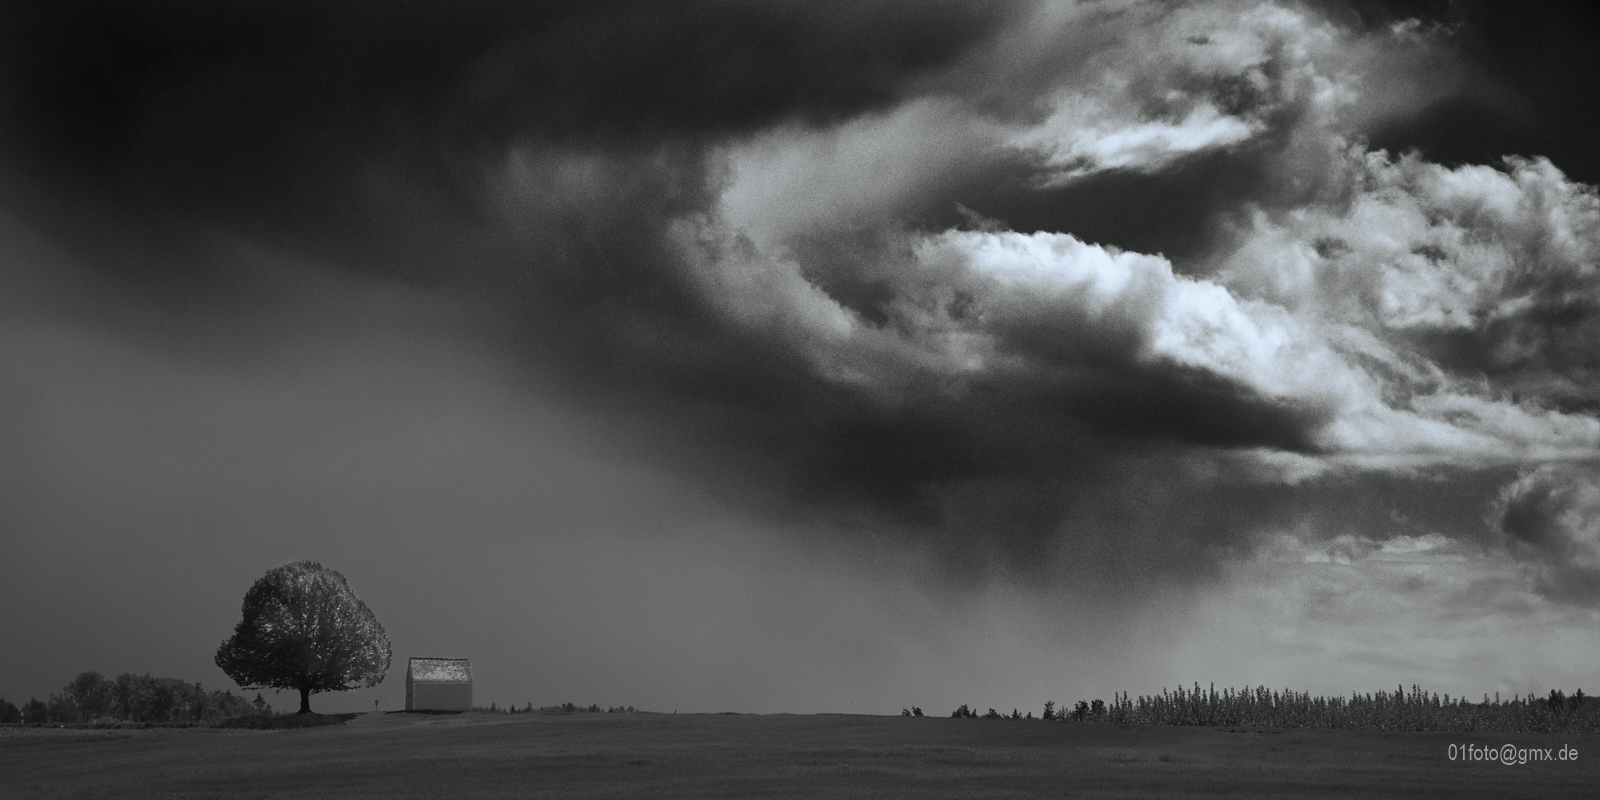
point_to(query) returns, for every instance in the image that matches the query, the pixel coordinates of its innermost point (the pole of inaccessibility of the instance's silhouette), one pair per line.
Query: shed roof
(440, 669)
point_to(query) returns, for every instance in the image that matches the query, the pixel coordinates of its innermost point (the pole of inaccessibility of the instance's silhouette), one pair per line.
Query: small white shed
(439, 684)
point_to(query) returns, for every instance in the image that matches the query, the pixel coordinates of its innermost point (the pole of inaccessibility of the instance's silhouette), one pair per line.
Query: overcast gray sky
(801, 357)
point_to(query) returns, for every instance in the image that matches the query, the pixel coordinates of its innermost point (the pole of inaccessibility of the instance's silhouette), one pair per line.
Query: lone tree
(304, 629)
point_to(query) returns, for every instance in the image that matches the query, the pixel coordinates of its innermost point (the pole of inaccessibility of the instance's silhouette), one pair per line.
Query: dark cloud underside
(220, 104)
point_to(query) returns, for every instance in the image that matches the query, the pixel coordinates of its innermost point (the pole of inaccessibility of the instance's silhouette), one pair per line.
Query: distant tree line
(564, 708)
(91, 697)
(1416, 710)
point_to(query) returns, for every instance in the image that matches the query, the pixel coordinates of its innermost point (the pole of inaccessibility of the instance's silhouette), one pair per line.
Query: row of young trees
(1416, 710)
(92, 697)
(1399, 710)
(564, 708)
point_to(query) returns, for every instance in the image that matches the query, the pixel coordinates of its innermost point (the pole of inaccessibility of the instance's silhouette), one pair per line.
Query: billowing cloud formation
(1353, 323)
(1097, 296)
(1347, 379)
(1477, 268)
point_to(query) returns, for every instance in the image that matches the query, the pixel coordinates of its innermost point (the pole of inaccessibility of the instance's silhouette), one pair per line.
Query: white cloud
(1081, 138)
(1416, 245)
(1503, 259)
(1165, 84)
(1056, 280)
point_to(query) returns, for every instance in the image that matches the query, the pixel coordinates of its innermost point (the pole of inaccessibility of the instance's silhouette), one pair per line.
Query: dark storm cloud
(271, 121)
(721, 224)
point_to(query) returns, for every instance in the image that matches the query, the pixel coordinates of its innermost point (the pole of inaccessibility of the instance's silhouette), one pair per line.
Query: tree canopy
(304, 629)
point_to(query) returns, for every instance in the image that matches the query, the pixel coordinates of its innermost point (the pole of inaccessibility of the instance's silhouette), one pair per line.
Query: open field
(394, 756)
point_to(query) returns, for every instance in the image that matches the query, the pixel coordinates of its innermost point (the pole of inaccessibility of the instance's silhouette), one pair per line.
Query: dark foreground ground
(395, 756)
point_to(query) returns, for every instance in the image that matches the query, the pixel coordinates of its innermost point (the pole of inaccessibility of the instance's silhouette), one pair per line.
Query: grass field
(394, 756)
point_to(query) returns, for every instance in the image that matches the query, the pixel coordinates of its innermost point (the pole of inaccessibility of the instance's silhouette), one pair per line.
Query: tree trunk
(305, 701)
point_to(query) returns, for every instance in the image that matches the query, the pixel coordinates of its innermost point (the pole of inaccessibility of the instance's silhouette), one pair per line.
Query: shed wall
(425, 696)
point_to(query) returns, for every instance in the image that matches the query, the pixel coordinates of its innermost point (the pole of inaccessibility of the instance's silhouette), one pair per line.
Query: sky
(808, 357)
